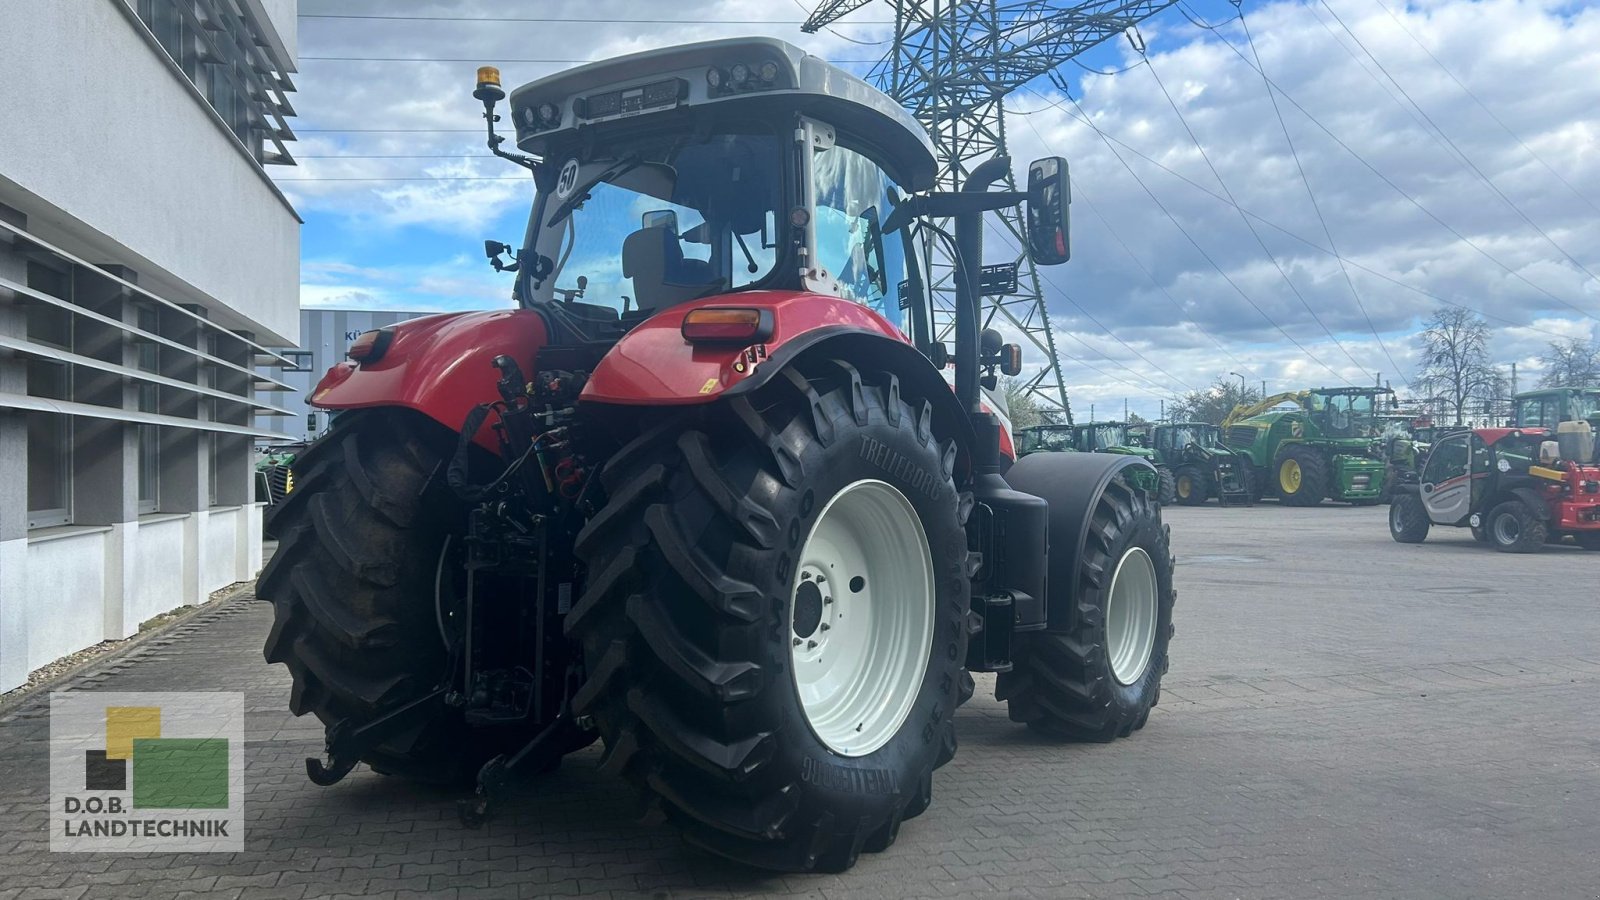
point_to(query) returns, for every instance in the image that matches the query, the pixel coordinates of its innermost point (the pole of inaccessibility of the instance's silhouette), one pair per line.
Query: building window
(149, 402)
(208, 45)
(49, 434)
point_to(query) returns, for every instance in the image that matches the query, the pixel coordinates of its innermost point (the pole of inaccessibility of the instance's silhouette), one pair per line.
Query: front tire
(1098, 680)
(1408, 519)
(1515, 528)
(1193, 486)
(746, 547)
(1301, 476)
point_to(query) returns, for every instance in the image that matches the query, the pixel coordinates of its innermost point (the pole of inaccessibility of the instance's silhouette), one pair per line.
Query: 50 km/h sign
(138, 772)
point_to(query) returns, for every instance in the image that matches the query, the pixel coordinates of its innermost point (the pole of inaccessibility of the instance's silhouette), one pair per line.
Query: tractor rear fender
(654, 365)
(1072, 484)
(437, 365)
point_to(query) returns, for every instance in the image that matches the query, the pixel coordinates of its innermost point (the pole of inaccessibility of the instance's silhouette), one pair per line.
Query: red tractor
(1516, 488)
(705, 493)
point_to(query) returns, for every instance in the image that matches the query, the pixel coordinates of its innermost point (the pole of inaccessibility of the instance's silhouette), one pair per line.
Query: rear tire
(353, 590)
(1514, 528)
(709, 584)
(1193, 486)
(1408, 519)
(1300, 476)
(1091, 683)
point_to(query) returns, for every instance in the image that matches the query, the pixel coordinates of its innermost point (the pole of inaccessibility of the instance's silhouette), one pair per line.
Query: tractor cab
(1351, 412)
(1105, 437)
(1549, 407)
(1174, 439)
(1044, 438)
(714, 169)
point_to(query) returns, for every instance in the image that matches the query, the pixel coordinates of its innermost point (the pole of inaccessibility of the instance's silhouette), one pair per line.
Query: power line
(1252, 229)
(1485, 107)
(1098, 324)
(1401, 191)
(1466, 160)
(1083, 119)
(1079, 193)
(1317, 207)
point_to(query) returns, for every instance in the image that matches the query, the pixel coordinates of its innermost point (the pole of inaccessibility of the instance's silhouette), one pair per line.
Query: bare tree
(1573, 362)
(1213, 404)
(1455, 368)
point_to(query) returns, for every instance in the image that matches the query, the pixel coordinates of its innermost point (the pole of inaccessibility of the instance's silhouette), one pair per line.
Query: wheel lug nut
(811, 645)
(825, 626)
(797, 642)
(827, 601)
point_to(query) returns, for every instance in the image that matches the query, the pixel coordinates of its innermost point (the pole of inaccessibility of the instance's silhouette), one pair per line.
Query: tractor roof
(656, 81)
(1186, 425)
(1491, 436)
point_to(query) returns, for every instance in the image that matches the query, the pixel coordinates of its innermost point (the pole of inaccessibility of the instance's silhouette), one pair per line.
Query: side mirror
(491, 249)
(1049, 202)
(660, 218)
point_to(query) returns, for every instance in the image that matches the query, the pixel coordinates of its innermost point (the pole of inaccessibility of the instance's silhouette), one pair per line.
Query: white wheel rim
(1507, 529)
(1131, 616)
(861, 617)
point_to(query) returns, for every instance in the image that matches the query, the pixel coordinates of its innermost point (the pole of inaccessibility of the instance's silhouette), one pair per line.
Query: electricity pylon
(952, 64)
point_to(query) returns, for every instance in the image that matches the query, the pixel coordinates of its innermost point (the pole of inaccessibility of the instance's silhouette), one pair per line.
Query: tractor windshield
(1104, 437)
(658, 220)
(1346, 415)
(1030, 440)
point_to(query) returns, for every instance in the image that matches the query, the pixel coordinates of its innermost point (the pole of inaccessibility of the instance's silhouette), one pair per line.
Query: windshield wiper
(623, 166)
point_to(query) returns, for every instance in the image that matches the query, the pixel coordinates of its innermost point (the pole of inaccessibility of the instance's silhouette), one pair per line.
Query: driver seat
(662, 277)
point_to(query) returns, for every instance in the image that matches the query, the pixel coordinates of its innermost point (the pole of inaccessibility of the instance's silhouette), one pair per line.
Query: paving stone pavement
(1345, 717)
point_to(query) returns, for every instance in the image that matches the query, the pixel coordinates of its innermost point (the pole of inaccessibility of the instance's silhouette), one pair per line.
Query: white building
(146, 262)
(325, 335)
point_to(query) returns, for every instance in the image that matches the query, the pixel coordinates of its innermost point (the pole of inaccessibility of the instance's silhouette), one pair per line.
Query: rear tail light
(370, 346)
(721, 324)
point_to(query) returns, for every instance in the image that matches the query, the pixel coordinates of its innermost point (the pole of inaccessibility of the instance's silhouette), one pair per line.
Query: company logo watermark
(142, 772)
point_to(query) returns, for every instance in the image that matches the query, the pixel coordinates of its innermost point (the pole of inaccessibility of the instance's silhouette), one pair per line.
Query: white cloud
(1532, 62)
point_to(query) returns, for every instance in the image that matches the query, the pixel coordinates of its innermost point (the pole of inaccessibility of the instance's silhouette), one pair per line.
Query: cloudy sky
(1445, 152)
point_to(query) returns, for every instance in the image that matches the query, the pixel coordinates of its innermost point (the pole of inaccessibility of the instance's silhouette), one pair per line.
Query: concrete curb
(9, 703)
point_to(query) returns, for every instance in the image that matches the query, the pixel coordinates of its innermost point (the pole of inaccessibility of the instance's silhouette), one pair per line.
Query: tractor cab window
(1451, 458)
(1539, 412)
(1182, 437)
(1101, 437)
(658, 220)
(854, 197)
(1347, 415)
(1588, 403)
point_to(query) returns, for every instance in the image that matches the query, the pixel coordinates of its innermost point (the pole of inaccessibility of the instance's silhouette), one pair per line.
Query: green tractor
(1113, 437)
(1327, 448)
(1201, 465)
(1549, 407)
